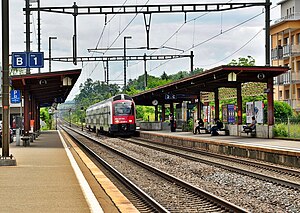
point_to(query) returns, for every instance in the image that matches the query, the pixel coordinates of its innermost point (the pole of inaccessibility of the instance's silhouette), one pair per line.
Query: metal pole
(125, 37)
(39, 30)
(107, 73)
(267, 17)
(49, 54)
(75, 34)
(145, 75)
(50, 43)
(70, 116)
(124, 63)
(5, 78)
(27, 15)
(192, 61)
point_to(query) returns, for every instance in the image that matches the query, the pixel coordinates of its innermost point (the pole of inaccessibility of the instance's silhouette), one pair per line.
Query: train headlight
(130, 121)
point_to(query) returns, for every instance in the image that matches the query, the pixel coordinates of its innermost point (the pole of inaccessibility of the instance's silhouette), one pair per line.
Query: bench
(252, 132)
(26, 140)
(203, 130)
(223, 132)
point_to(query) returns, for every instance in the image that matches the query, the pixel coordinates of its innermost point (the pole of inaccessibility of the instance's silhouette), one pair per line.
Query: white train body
(115, 115)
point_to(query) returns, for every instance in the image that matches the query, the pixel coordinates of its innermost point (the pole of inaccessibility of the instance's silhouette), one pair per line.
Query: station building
(285, 39)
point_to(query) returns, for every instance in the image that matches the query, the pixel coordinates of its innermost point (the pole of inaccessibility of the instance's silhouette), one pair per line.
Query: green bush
(190, 124)
(280, 130)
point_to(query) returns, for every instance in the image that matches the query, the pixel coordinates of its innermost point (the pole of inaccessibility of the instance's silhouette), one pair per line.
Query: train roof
(114, 98)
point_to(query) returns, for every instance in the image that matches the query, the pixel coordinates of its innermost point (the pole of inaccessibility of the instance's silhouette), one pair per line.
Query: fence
(287, 128)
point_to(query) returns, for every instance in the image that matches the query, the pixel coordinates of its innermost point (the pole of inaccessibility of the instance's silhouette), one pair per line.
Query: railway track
(270, 173)
(171, 194)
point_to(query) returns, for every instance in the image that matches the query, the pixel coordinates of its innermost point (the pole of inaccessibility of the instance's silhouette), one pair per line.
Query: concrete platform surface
(276, 144)
(42, 181)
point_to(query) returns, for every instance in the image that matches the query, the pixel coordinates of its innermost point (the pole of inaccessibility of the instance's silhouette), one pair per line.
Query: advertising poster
(231, 113)
(224, 113)
(206, 112)
(249, 112)
(259, 112)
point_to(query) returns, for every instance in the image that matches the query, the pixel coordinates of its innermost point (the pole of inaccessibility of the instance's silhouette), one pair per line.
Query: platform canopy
(47, 88)
(208, 81)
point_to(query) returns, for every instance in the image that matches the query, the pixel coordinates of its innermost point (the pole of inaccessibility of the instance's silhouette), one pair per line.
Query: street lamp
(125, 37)
(82, 118)
(50, 38)
(70, 117)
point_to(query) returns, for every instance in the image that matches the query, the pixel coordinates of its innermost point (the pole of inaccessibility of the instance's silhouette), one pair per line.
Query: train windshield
(124, 108)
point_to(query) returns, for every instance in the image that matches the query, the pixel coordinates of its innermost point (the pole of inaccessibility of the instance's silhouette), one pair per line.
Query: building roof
(208, 81)
(281, 2)
(47, 88)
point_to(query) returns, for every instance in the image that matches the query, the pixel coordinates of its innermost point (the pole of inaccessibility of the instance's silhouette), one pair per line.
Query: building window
(298, 93)
(298, 36)
(285, 41)
(293, 10)
(280, 94)
(298, 66)
(287, 12)
(287, 94)
(292, 39)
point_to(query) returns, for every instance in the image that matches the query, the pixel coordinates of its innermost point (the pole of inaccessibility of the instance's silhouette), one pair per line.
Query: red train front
(123, 117)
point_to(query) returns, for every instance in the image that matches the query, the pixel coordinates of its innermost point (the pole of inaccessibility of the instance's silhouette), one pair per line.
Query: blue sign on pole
(27, 60)
(19, 60)
(15, 96)
(36, 59)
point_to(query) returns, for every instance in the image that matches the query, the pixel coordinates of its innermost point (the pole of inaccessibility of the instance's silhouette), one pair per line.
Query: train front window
(123, 108)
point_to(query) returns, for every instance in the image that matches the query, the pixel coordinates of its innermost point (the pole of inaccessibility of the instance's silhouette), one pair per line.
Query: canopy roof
(209, 81)
(47, 88)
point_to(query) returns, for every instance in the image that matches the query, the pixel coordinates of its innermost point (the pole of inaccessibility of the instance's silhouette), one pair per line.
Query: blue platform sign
(15, 96)
(27, 60)
(19, 60)
(36, 59)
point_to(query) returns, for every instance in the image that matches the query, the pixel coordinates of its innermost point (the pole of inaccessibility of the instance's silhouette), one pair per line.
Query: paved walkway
(43, 180)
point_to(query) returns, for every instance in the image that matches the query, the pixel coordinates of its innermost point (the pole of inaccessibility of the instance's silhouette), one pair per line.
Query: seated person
(199, 126)
(251, 127)
(218, 126)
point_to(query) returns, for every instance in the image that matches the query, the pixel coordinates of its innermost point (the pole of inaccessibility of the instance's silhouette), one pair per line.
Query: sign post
(15, 96)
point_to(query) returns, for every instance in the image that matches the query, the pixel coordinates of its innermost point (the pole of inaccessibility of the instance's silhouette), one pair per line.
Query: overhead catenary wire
(213, 37)
(244, 45)
(178, 29)
(193, 46)
(120, 33)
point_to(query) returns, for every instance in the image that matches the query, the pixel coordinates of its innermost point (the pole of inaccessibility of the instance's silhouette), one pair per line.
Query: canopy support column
(239, 104)
(217, 103)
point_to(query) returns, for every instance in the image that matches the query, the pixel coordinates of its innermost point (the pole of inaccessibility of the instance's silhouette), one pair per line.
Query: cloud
(163, 26)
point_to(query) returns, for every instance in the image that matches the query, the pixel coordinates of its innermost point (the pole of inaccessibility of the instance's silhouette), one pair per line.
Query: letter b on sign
(19, 60)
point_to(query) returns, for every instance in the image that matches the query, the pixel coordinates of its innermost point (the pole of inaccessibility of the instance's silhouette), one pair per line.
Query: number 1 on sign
(35, 60)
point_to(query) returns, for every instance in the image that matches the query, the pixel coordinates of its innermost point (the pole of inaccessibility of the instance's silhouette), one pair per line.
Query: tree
(164, 76)
(249, 61)
(196, 71)
(45, 116)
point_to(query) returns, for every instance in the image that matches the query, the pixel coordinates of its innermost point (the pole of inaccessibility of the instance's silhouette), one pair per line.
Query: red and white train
(115, 116)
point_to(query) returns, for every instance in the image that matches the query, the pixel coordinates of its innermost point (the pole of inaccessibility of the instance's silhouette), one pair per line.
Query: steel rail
(202, 193)
(129, 184)
(277, 181)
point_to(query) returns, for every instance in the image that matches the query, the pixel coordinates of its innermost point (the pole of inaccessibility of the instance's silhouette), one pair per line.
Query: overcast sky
(212, 37)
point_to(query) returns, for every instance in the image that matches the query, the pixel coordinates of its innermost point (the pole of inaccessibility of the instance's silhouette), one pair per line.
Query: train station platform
(50, 178)
(279, 151)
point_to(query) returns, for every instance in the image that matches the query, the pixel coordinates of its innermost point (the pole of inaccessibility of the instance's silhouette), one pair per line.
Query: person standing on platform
(172, 122)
